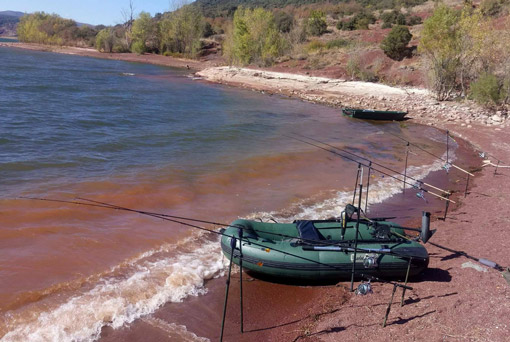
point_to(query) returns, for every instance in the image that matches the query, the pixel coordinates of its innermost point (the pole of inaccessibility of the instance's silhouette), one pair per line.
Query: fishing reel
(364, 288)
(421, 195)
(370, 261)
(447, 167)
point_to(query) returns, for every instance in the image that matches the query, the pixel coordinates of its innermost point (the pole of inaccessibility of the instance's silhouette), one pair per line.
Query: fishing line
(381, 172)
(170, 218)
(430, 153)
(373, 162)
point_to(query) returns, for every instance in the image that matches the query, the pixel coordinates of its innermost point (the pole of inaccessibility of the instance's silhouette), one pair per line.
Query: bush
(316, 23)
(315, 45)
(337, 43)
(486, 90)
(138, 47)
(359, 22)
(355, 69)
(284, 21)
(414, 20)
(491, 8)
(393, 17)
(395, 43)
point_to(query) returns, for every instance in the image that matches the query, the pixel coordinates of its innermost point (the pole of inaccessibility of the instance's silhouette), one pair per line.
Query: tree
(181, 31)
(105, 40)
(144, 34)
(253, 37)
(284, 21)
(316, 23)
(395, 43)
(440, 43)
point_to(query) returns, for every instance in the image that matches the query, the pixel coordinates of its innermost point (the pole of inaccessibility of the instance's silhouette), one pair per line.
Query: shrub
(393, 17)
(359, 22)
(395, 43)
(486, 90)
(316, 23)
(284, 21)
(491, 8)
(337, 43)
(414, 20)
(315, 45)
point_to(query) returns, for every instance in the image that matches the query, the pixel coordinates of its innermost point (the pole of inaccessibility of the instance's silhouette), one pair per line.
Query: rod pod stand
(356, 184)
(447, 145)
(356, 238)
(405, 169)
(467, 184)
(233, 243)
(368, 184)
(240, 233)
(446, 206)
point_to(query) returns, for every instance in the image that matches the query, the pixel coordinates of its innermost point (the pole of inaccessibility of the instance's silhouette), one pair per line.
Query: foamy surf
(117, 301)
(381, 189)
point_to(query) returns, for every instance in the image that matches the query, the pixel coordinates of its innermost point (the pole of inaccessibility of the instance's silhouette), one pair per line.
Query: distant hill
(8, 22)
(11, 14)
(213, 8)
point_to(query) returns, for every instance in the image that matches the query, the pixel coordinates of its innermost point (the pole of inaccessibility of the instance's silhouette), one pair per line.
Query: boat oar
(399, 252)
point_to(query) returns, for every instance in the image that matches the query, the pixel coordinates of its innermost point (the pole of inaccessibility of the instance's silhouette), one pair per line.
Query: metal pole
(356, 184)
(467, 184)
(407, 277)
(389, 305)
(356, 239)
(368, 185)
(447, 144)
(496, 170)
(232, 246)
(405, 168)
(446, 206)
(240, 233)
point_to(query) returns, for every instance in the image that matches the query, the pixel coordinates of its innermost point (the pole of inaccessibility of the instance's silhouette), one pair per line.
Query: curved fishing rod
(365, 165)
(432, 154)
(375, 163)
(171, 218)
(315, 242)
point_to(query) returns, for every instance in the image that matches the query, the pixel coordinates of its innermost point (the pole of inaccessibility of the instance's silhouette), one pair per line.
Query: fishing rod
(432, 154)
(381, 172)
(315, 242)
(172, 218)
(166, 217)
(375, 163)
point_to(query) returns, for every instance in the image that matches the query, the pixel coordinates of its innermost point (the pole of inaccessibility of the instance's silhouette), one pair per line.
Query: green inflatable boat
(324, 250)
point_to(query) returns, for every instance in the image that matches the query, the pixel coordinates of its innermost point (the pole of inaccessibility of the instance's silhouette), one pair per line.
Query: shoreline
(456, 303)
(127, 57)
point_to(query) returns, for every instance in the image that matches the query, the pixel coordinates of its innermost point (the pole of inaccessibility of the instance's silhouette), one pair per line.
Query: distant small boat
(368, 114)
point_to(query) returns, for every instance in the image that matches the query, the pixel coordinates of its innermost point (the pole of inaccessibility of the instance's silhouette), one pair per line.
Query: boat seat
(307, 231)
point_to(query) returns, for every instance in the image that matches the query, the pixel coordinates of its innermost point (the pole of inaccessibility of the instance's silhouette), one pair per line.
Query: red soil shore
(453, 302)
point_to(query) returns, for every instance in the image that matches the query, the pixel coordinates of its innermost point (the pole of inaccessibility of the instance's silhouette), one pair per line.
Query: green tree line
(51, 29)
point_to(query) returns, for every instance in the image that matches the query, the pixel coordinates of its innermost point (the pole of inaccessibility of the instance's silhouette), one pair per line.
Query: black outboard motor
(426, 233)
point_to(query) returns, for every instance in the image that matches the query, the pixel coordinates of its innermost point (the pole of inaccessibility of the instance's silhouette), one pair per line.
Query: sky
(94, 12)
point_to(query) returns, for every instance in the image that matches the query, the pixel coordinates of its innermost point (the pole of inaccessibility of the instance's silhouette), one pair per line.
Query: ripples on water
(148, 137)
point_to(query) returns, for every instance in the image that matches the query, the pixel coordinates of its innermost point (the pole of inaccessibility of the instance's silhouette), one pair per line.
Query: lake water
(152, 138)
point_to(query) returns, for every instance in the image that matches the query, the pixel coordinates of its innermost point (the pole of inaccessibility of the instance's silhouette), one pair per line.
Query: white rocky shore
(342, 93)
